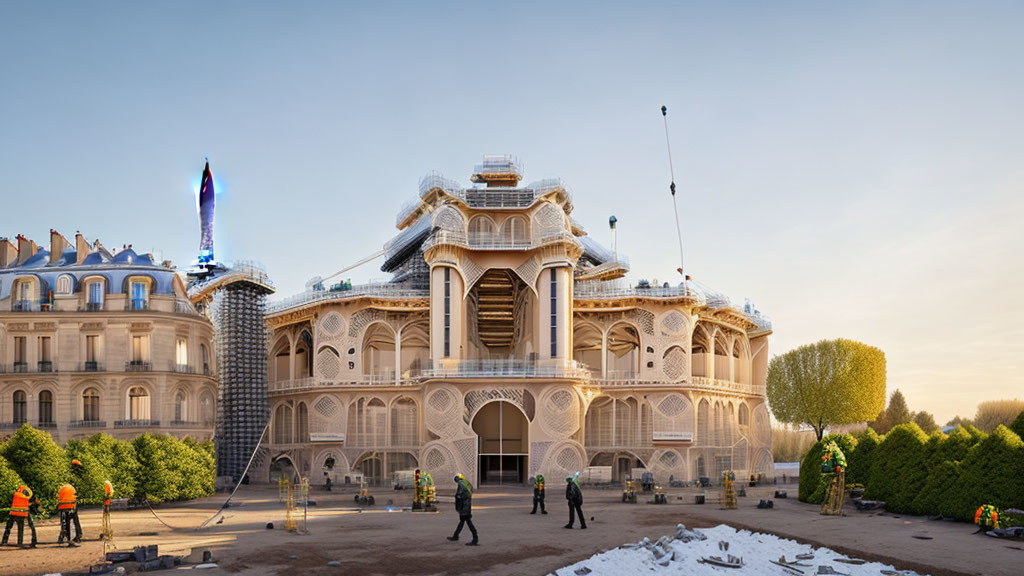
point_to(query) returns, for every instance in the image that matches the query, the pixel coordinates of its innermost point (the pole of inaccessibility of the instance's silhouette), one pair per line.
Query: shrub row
(949, 474)
(154, 467)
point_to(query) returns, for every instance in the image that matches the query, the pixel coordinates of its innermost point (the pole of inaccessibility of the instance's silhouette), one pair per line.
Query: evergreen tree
(926, 421)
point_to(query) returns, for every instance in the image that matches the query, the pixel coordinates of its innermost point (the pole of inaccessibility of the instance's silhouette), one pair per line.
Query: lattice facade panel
(564, 459)
(674, 323)
(666, 463)
(549, 218)
(362, 319)
(529, 271)
(328, 363)
(451, 219)
(332, 325)
(443, 407)
(561, 412)
(673, 415)
(327, 415)
(674, 364)
(470, 272)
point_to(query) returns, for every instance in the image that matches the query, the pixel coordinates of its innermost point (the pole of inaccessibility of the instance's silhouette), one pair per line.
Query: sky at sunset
(855, 169)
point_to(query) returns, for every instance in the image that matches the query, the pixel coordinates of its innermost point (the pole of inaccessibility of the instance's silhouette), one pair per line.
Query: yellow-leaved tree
(827, 383)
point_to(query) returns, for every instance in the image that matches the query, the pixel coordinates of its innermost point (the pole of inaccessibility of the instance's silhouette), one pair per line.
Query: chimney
(58, 244)
(8, 253)
(26, 249)
(81, 247)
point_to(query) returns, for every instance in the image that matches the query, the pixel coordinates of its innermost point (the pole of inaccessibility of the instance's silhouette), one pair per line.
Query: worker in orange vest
(108, 491)
(19, 513)
(67, 504)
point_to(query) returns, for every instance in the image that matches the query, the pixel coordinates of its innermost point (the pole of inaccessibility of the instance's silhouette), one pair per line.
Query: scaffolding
(238, 295)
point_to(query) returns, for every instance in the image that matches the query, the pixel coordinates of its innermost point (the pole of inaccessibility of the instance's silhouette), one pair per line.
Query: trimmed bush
(899, 468)
(41, 463)
(859, 460)
(1018, 425)
(954, 446)
(812, 487)
(990, 474)
(937, 489)
(88, 479)
(120, 461)
(171, 469)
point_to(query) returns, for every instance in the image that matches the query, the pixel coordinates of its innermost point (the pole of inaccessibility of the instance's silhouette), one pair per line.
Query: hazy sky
(853, 168)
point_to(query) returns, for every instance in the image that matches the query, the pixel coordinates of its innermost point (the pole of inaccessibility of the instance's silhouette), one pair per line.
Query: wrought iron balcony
(87, 424)
(20, 367)
(25, 306)
(136, 423)
(137, 304)
(182, 369)
(94, 306)
(45, 366)
(92, 366)
(138, 366)
(506, 368)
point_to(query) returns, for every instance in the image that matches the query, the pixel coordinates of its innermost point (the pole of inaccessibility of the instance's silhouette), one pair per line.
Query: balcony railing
(137, 304)
(92, 366)
(46, 425)
(506, 368)
(94, 306)
(25, 306)
(138, 366)
(182, 369)
(137, 423)
(10, 425)
(185, 424)
(380, 290)
(499, 241)
(20, 367)
(87, 424)
(45, 366)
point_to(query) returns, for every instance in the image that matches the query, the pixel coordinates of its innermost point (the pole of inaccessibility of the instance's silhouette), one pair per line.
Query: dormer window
(95, 296)
(64, 284)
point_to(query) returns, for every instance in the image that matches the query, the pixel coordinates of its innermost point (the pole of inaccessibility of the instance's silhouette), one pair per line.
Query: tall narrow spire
(206, 203)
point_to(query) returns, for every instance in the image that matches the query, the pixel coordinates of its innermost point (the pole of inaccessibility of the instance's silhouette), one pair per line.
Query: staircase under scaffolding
(496, 299)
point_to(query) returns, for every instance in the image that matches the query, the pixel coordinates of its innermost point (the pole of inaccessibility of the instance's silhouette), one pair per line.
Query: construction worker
(464, 507)
(574, 496)
(538, 494)
(20, 505)
(67, 504)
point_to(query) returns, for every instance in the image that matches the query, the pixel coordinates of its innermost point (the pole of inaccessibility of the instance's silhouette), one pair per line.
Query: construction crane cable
(672, 188)
(240, 479)
(373, 256)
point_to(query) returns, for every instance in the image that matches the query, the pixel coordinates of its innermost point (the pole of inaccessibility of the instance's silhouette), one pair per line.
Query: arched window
(91, 405)
(138, 403)
(302, 423)
(513, 231)
(744, 417)
(404, 423)
(206, 409)
(703, 423)
(20, 407)
(180, 407)
(481, 228)
(283, 424)
(64, 284)
(205, 357)
(46, 407)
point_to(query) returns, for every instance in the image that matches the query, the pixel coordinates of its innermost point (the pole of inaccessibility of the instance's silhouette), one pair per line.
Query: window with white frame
(139, 295)
(64, 284)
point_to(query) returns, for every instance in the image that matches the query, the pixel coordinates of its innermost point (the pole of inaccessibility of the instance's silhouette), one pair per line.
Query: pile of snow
(682, 554)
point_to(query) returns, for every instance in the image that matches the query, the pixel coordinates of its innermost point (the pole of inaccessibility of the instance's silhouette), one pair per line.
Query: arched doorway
(503, 443)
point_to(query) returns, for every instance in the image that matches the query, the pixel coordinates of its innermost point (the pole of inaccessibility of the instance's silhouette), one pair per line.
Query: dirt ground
(378, 541)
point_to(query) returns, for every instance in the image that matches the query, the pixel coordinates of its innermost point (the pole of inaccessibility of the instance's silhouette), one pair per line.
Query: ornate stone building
(507, 344)
(95, 340)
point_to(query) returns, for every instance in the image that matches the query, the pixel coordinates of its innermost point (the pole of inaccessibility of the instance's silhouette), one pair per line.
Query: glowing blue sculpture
(206, 203)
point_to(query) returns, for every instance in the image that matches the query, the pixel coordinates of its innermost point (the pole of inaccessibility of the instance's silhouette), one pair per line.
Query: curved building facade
(507, 344)
(96, 340)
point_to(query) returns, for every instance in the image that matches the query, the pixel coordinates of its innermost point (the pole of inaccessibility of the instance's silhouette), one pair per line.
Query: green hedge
(155, 467)
(898, 468)
(859, 461)
(949, 474)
